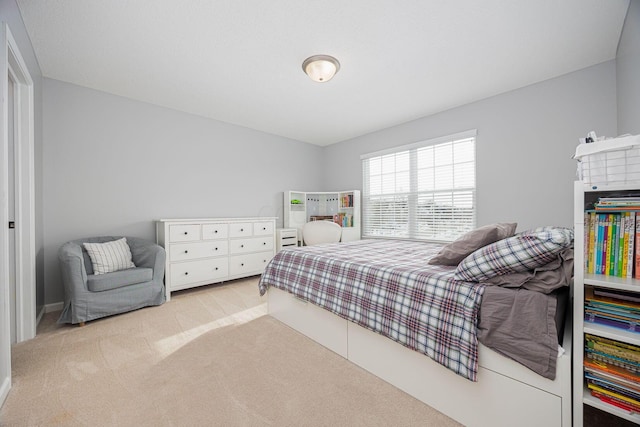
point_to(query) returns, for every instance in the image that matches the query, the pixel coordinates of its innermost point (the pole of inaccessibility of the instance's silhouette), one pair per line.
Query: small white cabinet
(286, 238)
(212, 250)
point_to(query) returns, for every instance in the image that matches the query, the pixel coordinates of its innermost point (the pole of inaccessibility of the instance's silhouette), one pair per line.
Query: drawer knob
(242, 229)
(264, 228)
(186, 252)
(241, 264)
(216, 268)
(185, 233)
(186, 273)
(264, 243)
(215, 232)
(242, 246)
(215, 249)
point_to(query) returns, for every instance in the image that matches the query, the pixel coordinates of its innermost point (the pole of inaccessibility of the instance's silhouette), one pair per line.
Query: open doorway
(17, 205)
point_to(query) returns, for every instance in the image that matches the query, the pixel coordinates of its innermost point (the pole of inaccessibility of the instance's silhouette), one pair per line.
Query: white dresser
(210, 250)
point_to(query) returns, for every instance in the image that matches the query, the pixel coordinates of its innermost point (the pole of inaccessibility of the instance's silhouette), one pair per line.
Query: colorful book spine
(620, 252)
(632, 242)
(599, 243)
(616, 402)
(613, 257)
(637, 239)
(592, 242)
(586, 241)
(607, 244)
(611, 244)
(619, 396)
(612, 370)
(625, 244)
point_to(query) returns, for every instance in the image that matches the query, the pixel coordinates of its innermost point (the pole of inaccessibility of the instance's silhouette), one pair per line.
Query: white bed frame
(506, 393)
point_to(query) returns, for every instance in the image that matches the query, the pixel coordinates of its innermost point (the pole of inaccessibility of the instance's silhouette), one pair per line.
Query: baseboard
(39, 316)
(4, 389)
(56, 306)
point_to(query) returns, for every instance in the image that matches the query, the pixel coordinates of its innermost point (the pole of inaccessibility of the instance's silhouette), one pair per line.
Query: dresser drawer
(240, 229)
(215, 231)
(249, 263)
(254, 244)
(263, 228)
(288, 233)
(287, 242)
(189, 251)
(184, 232)
(184, 273)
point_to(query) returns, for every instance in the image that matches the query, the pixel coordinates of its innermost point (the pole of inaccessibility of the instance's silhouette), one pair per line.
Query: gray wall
(525, 141)
(628, 72)
(10, 14)
(112, 166)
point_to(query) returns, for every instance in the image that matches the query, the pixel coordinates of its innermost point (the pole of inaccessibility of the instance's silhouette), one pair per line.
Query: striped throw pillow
(522, 252)
(109, 256)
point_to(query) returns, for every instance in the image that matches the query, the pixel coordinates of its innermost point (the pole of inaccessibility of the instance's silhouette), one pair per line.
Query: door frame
(12, 64)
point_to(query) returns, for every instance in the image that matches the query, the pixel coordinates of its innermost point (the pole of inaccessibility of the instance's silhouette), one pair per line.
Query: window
(423, 191)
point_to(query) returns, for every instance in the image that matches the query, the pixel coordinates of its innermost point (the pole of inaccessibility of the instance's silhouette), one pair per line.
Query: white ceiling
(239, 61)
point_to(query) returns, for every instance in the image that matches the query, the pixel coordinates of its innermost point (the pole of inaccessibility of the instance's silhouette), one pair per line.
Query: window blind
(423, 191)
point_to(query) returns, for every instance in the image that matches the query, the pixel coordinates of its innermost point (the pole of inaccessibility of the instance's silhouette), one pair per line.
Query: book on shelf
(591, 242)
(602, 319)
(346, 201)
(611, 400)
(609, 310)
(632, 201)
(629, 239)
(616, 351)
(617, 204)
(616, 397)
(637, 250)
(343, 219)
(611, 247)
(610, 370)
(611, 224)
(617, 294)
(613, 386)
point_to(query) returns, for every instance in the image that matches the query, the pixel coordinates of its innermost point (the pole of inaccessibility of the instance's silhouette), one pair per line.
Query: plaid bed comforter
(388, 287)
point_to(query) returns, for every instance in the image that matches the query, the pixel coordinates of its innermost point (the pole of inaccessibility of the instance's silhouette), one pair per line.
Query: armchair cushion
(109, 256)
(118, 279)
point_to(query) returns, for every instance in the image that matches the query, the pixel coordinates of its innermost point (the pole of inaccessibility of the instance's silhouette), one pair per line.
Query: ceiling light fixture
(321, 68)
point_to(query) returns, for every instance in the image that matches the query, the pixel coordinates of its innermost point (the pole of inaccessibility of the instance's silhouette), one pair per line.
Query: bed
(451, 343)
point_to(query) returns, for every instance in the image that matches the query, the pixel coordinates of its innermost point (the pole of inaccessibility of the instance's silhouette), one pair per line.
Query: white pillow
(109, 256)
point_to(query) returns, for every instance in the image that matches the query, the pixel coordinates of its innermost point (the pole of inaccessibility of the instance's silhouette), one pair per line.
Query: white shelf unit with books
(342, 207)
(586, 282)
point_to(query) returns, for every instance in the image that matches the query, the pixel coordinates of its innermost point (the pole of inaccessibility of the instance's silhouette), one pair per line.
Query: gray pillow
(522, 252)
(458, 250)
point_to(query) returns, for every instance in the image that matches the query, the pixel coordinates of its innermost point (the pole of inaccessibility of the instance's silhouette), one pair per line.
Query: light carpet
(209, 357)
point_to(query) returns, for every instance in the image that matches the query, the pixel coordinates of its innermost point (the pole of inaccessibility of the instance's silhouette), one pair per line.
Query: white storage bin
(612, 161)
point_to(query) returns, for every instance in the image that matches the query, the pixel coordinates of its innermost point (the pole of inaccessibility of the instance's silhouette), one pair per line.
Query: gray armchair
(89, 296)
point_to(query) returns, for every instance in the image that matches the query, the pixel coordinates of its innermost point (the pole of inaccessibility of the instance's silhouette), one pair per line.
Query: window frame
(413, 195)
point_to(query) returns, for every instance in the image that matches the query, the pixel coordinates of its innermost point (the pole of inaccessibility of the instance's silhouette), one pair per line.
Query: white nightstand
(286, 237)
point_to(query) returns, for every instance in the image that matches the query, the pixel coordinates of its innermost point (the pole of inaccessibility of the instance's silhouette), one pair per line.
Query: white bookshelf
(301, 207)
(581, 394)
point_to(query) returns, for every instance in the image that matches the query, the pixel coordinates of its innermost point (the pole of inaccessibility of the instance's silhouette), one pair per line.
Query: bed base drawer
(504, 395)
(317, 323)
(494, 400)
